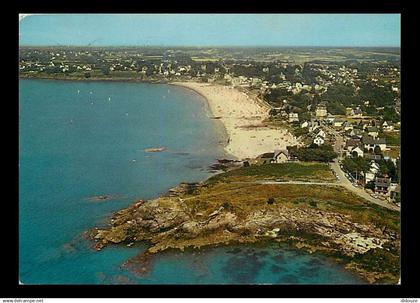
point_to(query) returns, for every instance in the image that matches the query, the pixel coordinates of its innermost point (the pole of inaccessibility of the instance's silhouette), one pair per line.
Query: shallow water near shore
(84, 139)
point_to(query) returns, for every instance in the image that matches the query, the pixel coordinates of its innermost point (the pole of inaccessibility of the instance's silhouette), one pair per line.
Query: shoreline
(212, 101)
(243, 119)
(245, 134)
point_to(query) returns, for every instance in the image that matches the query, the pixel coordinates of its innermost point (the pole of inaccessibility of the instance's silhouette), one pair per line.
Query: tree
(377, 150)
(323, 153)
(270, 200)
(370, 185)
(356, 165)
(272, 112)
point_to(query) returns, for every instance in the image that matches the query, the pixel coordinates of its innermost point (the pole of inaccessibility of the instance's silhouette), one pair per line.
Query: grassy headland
(221, 211)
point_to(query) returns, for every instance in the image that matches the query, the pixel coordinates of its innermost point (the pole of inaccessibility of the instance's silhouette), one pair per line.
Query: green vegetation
(323, 153)
(388, 168)
(284, 171)
(298, 131)
(323, 197)
(392, 138)
(356, 164)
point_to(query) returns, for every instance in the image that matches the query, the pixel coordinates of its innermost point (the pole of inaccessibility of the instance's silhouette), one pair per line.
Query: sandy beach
(243, 119)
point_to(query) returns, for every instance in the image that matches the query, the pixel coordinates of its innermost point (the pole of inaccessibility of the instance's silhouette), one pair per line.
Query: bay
(78, 140)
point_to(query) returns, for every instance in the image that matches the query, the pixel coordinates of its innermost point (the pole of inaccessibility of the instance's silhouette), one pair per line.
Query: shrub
(270, 200)
(312, 203)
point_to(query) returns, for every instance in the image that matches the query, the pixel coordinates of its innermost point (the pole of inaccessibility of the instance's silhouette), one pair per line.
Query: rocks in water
(191, 216)
(154, 149)
(236, 250)
(100, 198)
(140, 265)
(225, 165)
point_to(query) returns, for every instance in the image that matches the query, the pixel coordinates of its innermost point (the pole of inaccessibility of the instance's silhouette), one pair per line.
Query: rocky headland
(194, 215)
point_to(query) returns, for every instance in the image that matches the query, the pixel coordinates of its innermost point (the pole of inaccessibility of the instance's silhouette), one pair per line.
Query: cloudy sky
(211, 29)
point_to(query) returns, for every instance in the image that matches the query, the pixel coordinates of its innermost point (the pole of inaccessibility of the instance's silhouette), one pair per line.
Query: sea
(83, 139)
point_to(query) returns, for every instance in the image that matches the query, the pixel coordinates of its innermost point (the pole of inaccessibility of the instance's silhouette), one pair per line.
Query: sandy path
(243, 120)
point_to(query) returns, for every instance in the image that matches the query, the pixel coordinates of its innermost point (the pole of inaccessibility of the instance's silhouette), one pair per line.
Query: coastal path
(344, 182)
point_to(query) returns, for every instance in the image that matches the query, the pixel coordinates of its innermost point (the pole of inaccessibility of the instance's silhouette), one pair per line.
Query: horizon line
(215, 46)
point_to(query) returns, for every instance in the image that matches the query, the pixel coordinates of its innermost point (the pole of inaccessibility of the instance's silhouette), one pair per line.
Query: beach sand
(243, 119)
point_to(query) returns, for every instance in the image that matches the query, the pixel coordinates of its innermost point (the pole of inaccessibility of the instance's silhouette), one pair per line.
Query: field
(283, 171)
(220, 211)
(330, 198)
(393, 152)
(392, 138)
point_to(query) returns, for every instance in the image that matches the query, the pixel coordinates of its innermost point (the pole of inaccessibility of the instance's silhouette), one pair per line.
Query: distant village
(343, 109)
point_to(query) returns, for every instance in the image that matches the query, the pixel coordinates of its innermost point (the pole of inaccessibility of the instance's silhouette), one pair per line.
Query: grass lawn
(244, 198)
(392, 138)
(393, 152)
(302, 171)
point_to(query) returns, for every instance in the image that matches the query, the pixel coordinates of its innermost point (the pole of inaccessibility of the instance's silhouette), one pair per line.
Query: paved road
(345, 182)
(296, 182)
(357, 190)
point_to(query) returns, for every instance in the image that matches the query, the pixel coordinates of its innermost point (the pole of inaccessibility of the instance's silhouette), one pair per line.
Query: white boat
(90, 93)
(78, 91)
(109, 98)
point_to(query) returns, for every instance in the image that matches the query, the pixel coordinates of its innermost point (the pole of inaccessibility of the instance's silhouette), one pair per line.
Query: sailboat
(78, 91)
(109, 98)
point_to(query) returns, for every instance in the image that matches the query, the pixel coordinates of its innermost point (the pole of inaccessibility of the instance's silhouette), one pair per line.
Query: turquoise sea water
(82, 139)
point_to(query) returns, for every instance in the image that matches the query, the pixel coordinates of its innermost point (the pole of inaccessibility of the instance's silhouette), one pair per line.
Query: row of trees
(360, 164)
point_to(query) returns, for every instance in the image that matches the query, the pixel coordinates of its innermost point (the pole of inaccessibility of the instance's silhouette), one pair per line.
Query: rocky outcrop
(171, 222)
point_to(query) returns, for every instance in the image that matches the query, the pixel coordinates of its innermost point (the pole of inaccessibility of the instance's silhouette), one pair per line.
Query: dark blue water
(82, 139)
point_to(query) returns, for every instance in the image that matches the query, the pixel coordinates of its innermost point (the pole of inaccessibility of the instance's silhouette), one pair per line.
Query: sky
(210, 29)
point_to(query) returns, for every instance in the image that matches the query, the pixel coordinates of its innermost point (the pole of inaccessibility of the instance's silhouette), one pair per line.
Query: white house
(358, 151)
(372, 131)
(387, 126)
(320, 132)
(281, 156)
(304, 124)
(371, 174)
(338, 122)
(321, 111)
(370, 143)
(319, 140)
(293, 117)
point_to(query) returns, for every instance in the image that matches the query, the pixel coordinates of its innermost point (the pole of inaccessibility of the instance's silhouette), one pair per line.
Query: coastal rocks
(179, 220)
(102, 198)
(183, 188)
(154, 149)
(225, 165)
(354, 243)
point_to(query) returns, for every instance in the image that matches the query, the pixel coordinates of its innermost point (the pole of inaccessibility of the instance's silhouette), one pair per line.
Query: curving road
(357, 190)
